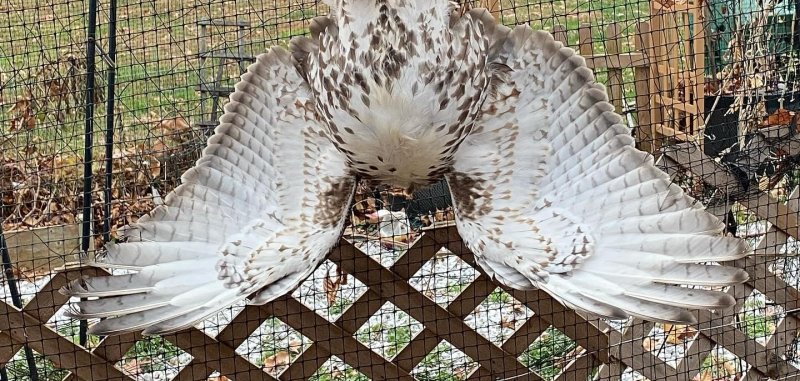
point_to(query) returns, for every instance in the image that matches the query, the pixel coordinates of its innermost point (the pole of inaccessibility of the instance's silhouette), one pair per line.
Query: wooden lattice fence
(601, 348)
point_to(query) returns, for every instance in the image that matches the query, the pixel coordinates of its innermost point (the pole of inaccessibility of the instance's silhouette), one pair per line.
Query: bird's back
(398, 86)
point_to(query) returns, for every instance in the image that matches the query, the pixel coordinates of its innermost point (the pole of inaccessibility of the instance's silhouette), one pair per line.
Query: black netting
(104, 104)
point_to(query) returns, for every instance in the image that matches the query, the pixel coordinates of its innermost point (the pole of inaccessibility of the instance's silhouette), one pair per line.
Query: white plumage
(549, 191)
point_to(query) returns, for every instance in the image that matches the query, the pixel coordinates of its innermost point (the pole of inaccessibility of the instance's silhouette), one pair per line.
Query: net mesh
(105, 104)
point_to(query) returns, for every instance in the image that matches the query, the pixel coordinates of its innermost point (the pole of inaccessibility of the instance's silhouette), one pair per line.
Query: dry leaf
(331, 287)
(295, 345)
(219, 378)
(134, 366)
(510, 323)
(649, 344)
(730, 368)
(277, 360)
(781, 117)
(678, 334)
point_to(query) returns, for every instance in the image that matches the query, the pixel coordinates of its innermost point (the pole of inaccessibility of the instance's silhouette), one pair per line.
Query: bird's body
(548, 190)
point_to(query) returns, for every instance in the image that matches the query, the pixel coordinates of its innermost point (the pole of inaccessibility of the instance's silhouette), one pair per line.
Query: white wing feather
(550, 193)
(260, 209)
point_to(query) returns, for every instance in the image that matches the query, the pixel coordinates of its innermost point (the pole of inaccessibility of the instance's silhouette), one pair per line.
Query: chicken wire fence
(104, 105)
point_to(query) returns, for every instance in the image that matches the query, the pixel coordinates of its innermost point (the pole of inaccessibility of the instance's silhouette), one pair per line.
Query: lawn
(158, 69)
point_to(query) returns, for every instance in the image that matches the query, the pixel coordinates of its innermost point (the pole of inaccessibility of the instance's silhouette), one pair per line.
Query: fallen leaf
(781, 117)
(703, 376)
(277, 360)
(331, 287)
(678, 334)
(295, 345)
(510, 323)
(649, 344)
(134, 366)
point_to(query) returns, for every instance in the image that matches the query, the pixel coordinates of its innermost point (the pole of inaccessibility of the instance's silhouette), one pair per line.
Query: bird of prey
(549, 192)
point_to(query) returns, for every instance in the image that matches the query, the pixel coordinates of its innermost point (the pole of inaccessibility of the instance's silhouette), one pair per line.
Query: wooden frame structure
(603, 350)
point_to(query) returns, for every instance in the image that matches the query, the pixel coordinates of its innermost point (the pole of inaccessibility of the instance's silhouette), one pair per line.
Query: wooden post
(560, 34)
(494, 8)
(613, 48)
(645, 131)
(585, 42)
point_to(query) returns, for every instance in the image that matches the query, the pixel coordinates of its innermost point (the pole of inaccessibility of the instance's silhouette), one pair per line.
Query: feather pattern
(246, 217)
(549, 191)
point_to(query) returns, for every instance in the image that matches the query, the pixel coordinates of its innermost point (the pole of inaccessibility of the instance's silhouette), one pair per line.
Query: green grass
(544, 354)
(499, 296)
(157, 66)
(18, 370)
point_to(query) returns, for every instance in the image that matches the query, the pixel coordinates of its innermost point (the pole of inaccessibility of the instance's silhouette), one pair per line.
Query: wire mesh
(96, 131)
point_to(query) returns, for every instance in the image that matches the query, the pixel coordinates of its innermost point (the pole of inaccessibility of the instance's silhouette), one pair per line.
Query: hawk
(548, 189)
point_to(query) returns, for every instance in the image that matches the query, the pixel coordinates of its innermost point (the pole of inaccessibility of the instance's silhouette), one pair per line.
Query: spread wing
(550, 193)
(259, 210)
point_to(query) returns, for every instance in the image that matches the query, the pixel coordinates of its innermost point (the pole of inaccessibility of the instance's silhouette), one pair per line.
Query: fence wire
(103, 105)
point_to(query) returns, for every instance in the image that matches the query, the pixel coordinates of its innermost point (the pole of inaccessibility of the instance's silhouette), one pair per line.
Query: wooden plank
(672, 7)
(44, 249)
(580, 368)
(111, 349)
(645, 129)
(26, 329)
(783, 216)
(719, 327)
(615, 81)
(585, 41)
(427, 340)
(43, 306)
(560, 34)
(631, 352)
(617, 61)
(692, 361)
(674, 103)
(446, 325)
(525, 335)
(670, 132)
(566, 320)
(690, 157)
(420, 251)
(233, 335)
(217, 355)
(335, 340)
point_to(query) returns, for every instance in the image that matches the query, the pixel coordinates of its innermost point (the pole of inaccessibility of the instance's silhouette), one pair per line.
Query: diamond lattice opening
(445, 362)
(443, 277)
(388, 331)
(498, 316)
(154, 358)
(215, 324)
(786, 265)
(329, 291)
(70, 328)
(759, 317)
(669, 342)
(721, 364)
(273, 346)
(20, 368)
(550, 353)
(336, 369)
